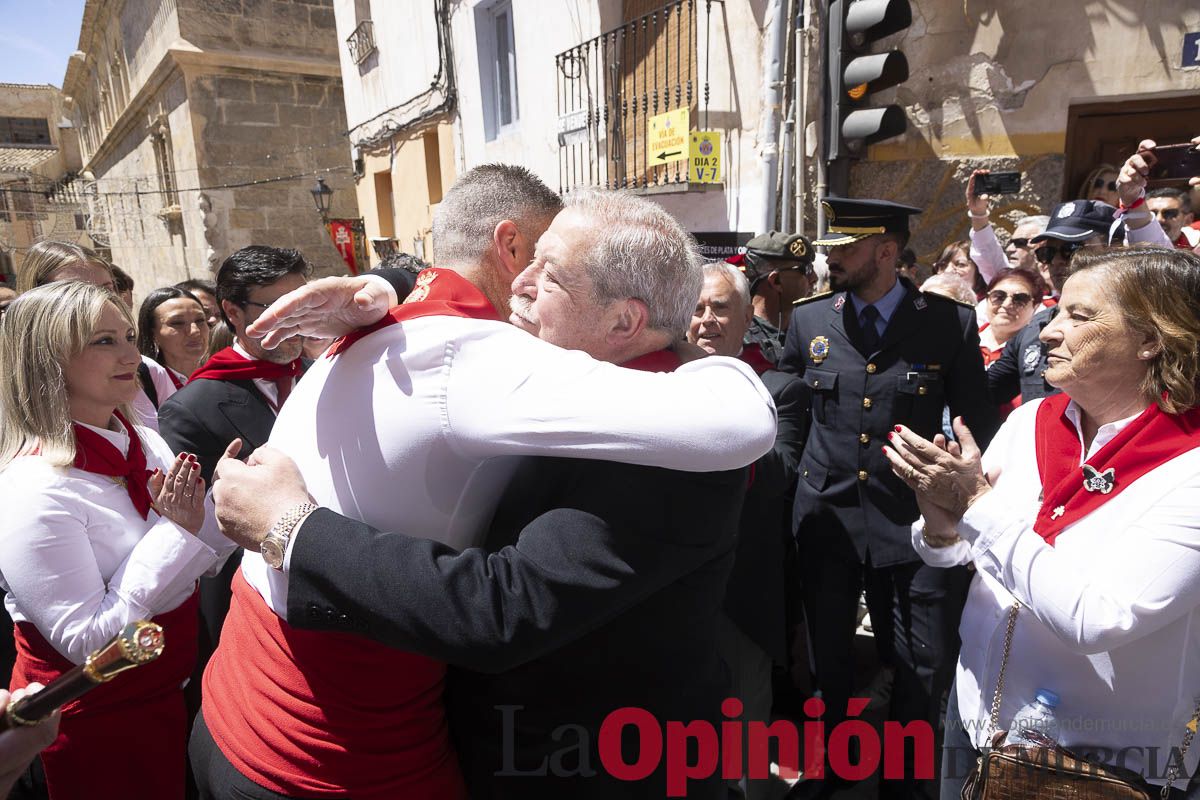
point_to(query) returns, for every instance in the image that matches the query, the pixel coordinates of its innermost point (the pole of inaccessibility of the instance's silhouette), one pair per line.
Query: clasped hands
(251, 497)
(946, 476)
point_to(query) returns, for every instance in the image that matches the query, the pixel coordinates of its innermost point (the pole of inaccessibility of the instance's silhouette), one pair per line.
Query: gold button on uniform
(806, 473)
(862, 474)
(922, 390)
(866, 402)
(864, 438)
(871, 369)
(817, 384)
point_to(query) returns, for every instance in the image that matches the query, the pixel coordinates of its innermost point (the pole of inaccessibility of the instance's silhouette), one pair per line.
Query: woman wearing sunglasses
(1012, 297)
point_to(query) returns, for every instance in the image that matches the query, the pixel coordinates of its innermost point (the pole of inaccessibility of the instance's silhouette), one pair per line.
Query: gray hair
(640, 251)
(950, 285)
(1041, 220)
(735, 276)
(466, 219)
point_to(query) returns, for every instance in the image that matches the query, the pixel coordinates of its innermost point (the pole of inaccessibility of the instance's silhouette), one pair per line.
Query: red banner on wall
(349, 237)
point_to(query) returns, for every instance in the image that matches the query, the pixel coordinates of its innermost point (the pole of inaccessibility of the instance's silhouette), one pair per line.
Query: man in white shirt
(416, 413)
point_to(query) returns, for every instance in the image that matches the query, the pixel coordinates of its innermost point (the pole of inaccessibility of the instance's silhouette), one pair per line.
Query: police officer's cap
(781, 247)
(1077, 220)
(848, 221)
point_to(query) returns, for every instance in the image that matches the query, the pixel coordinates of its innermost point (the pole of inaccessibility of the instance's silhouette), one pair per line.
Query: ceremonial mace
(139, 642)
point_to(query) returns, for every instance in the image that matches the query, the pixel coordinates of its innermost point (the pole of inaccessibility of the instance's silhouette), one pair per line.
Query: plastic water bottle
(1037, 717)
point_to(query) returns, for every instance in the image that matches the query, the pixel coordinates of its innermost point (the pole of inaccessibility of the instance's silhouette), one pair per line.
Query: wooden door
(1109, 132)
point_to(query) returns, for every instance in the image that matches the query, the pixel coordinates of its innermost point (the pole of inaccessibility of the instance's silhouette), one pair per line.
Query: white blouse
(1109, 616)
(79, 562)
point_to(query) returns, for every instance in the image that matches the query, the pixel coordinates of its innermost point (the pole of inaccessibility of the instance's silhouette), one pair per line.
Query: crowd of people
(427, 532)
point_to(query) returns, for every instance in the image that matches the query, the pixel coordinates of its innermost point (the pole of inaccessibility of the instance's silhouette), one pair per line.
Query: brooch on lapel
(920, 303)
(818, 349)
(841, 301)
(1101, 482)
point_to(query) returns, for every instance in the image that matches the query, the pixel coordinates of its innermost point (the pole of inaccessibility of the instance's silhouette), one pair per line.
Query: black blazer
(755, 598)
(205, 416)
(598, 587)
(847, 498)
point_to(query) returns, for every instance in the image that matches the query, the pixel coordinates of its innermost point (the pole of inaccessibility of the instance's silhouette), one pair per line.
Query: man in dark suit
(237, 393)
(877, 353)
(598, 585)
(753, 633)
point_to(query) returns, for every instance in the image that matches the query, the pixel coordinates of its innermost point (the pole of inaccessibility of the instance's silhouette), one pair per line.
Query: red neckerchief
(1182, 242)
(178, 383)
(752, 355)
(658, 361)
(1152, 439)
(438, 292)
(94, 453)
(230, 365)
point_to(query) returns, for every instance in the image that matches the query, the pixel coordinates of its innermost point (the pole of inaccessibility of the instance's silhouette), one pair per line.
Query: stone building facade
(204, 124)
(39, 162)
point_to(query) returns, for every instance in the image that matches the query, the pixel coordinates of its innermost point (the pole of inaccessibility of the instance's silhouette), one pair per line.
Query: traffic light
(855, 74)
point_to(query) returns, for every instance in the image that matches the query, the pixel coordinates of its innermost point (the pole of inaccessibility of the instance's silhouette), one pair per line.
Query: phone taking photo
(998, 183)
(1175, 162)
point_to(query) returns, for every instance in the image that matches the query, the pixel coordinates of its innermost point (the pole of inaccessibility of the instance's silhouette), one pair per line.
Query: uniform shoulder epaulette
(811, 298)
(940, 297)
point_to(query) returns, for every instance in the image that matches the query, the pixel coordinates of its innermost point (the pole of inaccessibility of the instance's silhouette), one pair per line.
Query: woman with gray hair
(1083, 522)
(104, 526)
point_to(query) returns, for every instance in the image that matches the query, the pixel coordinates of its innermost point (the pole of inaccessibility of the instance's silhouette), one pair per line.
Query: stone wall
(256, 126)
(290, 28)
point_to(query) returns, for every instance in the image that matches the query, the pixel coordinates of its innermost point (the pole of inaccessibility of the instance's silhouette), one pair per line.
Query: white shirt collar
(1104, 435)
(241, 351)
(118, 439)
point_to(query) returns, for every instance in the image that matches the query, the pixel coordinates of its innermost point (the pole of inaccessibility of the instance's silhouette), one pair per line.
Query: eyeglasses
(1020, 244)
(1046, 253)
(263, 306)
(1099, 184)
(1020, 299)
(1167, 213)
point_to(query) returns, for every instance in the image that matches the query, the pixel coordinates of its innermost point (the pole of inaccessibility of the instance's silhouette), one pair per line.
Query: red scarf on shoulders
(1071, 491)
(230, 365)
(94, 453)
(658, 361)
(438, 292)
(752, 356)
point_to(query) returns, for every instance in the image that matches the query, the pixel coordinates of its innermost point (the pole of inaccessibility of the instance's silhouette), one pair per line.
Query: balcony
(611, 86)
(361, 43)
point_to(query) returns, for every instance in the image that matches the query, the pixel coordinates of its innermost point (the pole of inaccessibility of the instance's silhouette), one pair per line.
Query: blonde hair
(44, 259)
(40, 332)
(1157, 291)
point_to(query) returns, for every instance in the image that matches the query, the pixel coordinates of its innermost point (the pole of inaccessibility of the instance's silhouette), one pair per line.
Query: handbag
(1049, 770)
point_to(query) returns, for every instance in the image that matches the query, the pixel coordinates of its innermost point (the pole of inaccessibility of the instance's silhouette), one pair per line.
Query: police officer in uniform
(876, 352)
(779, 267)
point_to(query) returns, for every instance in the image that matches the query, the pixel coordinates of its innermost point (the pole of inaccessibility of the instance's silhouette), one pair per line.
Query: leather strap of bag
(1188, 733)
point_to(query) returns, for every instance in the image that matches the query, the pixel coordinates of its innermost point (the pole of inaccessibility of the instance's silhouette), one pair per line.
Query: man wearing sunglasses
(1173, 210)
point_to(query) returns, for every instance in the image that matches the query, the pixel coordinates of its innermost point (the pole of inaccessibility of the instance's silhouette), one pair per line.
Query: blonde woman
(103, 526)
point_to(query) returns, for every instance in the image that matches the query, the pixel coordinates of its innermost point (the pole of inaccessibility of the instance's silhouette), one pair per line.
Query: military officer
(779, 267)
(876, 353)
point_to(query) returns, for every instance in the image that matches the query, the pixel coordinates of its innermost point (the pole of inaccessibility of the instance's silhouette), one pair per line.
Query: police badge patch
(818, 349)
(1033, 354)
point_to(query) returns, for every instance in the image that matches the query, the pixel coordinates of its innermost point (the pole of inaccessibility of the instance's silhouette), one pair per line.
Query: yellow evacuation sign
(666, 137)
(704, 157)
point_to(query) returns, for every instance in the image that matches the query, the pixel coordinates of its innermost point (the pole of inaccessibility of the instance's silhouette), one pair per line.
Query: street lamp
(322, 195)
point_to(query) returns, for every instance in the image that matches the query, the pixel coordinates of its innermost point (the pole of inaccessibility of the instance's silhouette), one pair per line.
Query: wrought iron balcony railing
(361, 43)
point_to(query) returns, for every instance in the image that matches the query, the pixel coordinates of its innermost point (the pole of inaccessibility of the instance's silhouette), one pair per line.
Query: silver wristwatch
(274, 547)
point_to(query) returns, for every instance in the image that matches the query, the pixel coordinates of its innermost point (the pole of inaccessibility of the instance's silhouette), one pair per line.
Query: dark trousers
(216, 778)
(915, 611)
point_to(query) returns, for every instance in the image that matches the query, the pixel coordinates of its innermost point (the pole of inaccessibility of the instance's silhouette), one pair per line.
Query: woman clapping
(1083, 523)
(103, 526)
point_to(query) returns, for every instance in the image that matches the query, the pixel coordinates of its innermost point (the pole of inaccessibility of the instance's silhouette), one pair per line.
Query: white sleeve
(163, 384)
(1150, 233)
(514, 394)
(51, 571)
(1153, 576)
(987, 253)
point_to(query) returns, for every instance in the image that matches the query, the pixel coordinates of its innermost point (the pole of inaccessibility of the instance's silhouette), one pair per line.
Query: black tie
(870, 332)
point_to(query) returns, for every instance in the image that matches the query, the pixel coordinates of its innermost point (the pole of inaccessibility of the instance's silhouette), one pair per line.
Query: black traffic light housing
(855, 74)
